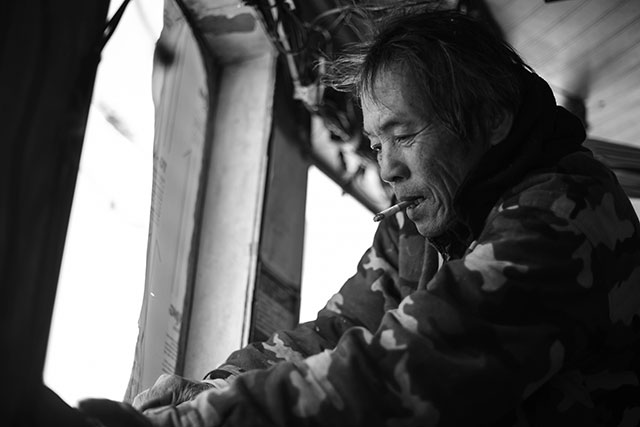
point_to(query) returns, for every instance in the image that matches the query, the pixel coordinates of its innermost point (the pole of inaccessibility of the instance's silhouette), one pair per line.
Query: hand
(173, 390)
(109, 413)
(208, 409)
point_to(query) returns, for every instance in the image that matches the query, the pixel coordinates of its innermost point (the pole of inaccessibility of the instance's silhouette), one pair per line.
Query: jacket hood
(542, 133)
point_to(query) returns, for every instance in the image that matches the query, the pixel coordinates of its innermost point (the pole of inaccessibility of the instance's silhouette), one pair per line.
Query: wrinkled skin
(157, 402)
(172, 390)
(417, 155)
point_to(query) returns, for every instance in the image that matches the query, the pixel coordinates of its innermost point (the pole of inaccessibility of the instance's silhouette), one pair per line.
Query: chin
(429, 228)
(430, 225)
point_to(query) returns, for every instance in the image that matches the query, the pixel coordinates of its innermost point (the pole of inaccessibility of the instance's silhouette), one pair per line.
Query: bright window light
(95, 320)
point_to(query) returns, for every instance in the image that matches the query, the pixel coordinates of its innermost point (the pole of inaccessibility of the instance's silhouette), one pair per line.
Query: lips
(416, 199)
(416, 202)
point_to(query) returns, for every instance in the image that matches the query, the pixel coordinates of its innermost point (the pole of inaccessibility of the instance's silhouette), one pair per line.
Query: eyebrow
(388, 125)
(394, 123)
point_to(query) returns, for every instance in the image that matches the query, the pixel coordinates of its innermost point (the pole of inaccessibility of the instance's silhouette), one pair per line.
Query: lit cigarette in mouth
(396, 208)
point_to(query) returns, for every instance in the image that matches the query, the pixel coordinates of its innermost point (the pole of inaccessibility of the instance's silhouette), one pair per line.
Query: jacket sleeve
(489, 330)
(361, 302)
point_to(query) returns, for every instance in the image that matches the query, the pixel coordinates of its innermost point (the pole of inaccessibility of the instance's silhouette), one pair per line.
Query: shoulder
(580, 193)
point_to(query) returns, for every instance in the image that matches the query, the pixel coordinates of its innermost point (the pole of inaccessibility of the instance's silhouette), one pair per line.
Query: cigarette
(395, 209)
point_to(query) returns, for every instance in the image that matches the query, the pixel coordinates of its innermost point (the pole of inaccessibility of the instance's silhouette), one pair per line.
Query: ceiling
(588, 50)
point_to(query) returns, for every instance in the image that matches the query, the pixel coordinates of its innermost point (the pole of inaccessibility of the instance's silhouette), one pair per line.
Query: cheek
(443, 172)
(433, 163)
(459, 159)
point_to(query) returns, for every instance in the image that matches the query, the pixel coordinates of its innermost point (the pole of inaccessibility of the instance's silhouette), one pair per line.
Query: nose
(393, 169)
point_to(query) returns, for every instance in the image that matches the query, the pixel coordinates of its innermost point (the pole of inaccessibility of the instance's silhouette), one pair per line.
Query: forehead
(393, 98)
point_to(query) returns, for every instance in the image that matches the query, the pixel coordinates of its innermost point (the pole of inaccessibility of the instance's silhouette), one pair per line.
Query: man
(534, 316)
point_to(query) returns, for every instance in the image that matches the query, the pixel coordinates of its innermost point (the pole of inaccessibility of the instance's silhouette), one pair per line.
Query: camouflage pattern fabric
(537, 324)
(532, 320)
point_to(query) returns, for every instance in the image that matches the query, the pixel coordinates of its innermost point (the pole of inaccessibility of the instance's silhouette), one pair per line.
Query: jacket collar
(542, 134)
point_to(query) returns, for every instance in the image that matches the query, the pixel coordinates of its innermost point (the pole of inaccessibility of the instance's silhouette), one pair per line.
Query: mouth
(416, 201)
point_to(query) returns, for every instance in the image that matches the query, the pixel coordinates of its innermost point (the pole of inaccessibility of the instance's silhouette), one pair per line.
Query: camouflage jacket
(533, 319)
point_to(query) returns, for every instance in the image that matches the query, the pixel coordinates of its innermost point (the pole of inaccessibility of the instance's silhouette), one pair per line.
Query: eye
(408, 139)
(405, 139)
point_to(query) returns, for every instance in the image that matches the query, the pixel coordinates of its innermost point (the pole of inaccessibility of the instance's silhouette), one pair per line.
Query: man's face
(417, 155)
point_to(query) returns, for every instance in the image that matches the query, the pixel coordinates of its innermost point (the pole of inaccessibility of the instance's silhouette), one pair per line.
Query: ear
(500, 126)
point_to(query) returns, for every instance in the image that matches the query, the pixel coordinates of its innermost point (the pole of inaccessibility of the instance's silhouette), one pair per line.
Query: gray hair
(460, 66)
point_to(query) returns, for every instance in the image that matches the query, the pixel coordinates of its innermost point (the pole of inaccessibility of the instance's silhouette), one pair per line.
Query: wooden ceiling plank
(605, 76)
(612, 51)
(602, 43)
(512, 14)
(502, 10)
(588, 48)
(532, 35)
(601, 112)
(619, 76)
(626, 133)
(614, 125)
(604, 118)
(604, 107)
(629, 136)
(569, 30)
